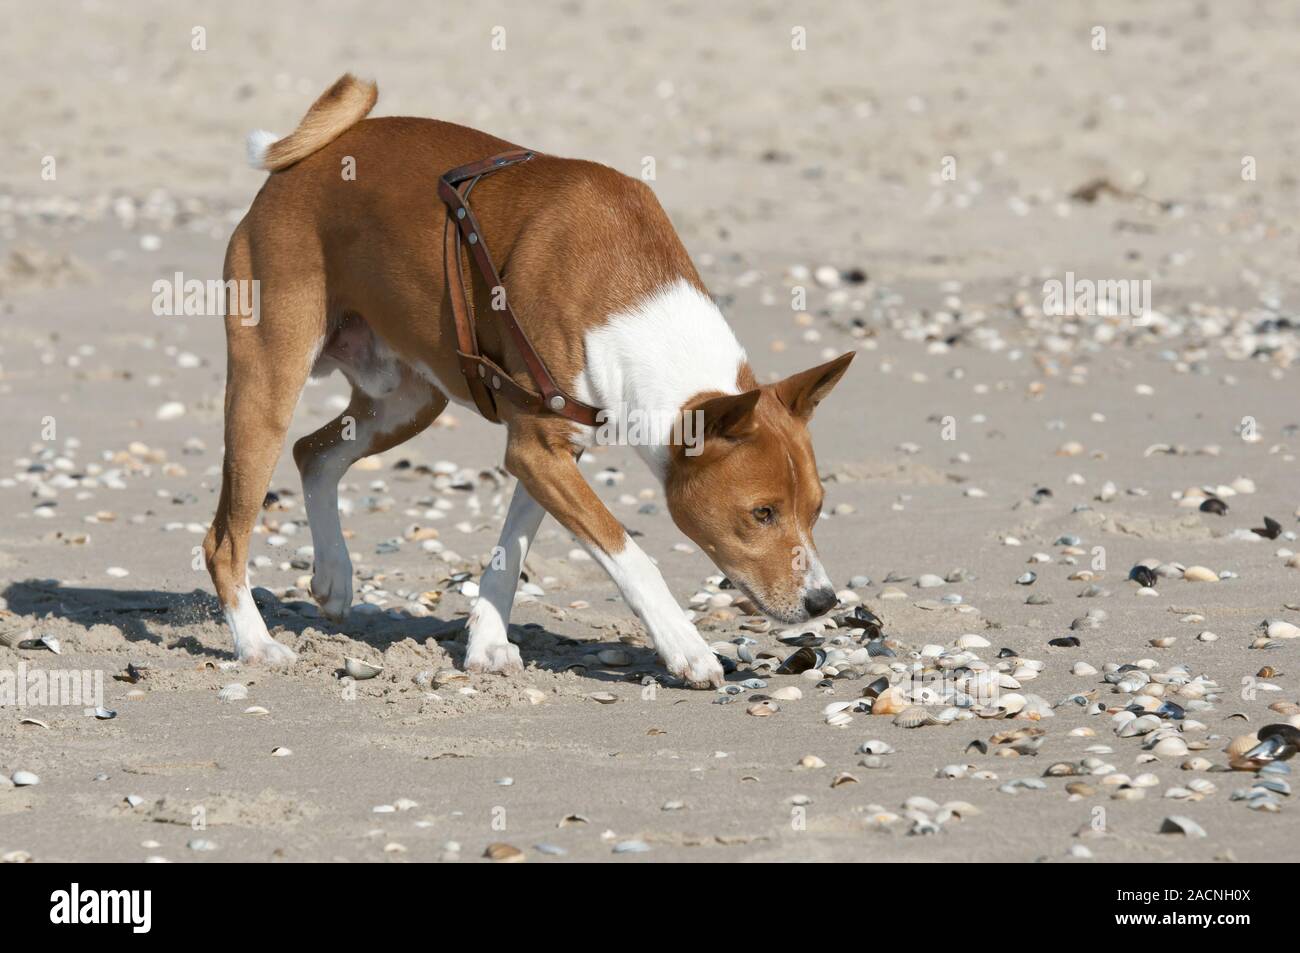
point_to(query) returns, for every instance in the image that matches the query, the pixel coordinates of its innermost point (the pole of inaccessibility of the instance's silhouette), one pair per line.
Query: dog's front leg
(489, 621)
(543, 460)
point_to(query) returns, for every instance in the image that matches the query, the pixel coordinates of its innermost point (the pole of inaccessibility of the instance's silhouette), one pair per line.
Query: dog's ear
(802, 392)
(731, 416)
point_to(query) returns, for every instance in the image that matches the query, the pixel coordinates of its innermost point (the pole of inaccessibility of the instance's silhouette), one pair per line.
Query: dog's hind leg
(369, 425)
(269, 352)
(489, 649)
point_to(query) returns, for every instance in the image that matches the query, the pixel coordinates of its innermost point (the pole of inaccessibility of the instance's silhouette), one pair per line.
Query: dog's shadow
(146, 615)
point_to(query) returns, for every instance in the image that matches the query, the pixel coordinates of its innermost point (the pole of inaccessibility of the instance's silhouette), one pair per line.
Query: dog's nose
(819, 601)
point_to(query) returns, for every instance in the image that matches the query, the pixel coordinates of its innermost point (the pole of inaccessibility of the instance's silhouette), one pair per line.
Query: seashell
(449, 677)
(890, 702)
(360, 669)
(1200, 574)
(811, 761)
(972, 641)
(788, 693)
(915, 717)
(875, 746)
(615, 658)
(1062, 769)
(502, 853)
(763, 709)
(1169, 747)
(22, 779)
(953, 771)
(1083, 668)
(1196, 764)
(1241, 744)
(843, 778)
(1280, 629)
(1179, 824)
(235, 691)
(603, 698)
(801, 661)
(1010, 703)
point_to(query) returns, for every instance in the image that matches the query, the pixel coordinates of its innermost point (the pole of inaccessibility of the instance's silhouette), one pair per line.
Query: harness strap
(485, 378)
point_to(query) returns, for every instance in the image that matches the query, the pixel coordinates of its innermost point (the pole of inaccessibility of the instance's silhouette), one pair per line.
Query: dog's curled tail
(339, 108)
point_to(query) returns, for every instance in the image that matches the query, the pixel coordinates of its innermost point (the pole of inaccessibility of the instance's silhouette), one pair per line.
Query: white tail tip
(259, 140)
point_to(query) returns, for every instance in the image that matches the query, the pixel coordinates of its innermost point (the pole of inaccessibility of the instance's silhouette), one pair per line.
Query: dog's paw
(500, 657)
(269, 652)
(332, 590)
(698, 669)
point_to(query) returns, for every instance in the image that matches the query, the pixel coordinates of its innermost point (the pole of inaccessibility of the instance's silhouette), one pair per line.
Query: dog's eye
(764, 514)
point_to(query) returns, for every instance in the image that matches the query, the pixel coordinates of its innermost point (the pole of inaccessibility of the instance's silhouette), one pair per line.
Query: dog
(350, 273)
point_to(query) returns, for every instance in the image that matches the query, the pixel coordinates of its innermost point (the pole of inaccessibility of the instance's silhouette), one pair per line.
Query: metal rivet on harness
(556, 403)
(473, 237)
(496, 382)
(482, 371)
(460, 213)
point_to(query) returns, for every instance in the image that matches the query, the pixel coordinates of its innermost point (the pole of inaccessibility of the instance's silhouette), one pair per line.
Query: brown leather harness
(485, 378)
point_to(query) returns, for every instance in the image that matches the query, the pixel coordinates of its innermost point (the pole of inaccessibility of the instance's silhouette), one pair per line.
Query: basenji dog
(351, 278)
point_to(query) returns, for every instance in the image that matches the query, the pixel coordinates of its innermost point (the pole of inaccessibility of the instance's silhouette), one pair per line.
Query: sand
(769, 161)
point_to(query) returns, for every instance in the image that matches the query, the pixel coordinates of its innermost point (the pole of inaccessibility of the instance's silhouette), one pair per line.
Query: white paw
(331, 587)
(269, 652)
(698, 668)
(500, 657)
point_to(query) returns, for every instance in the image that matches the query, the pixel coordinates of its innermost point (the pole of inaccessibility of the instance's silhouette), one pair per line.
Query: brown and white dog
(351, 278)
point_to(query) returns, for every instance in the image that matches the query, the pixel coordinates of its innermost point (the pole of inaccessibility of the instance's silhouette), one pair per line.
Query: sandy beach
(922, 174)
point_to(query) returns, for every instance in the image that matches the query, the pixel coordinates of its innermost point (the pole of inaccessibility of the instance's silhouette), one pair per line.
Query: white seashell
(235, 691)
(972, 641)
(360, 669)
(1083, 668)
(1169, 747)
(1200, 574)
(1280, 629)
(23, 779)
(788, 693)
(1011, 703)
(1178, 824)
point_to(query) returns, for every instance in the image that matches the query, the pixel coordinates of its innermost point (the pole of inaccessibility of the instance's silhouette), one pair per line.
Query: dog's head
(750, 496)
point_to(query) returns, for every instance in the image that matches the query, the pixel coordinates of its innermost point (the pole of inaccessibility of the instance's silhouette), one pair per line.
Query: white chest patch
(644, 364)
